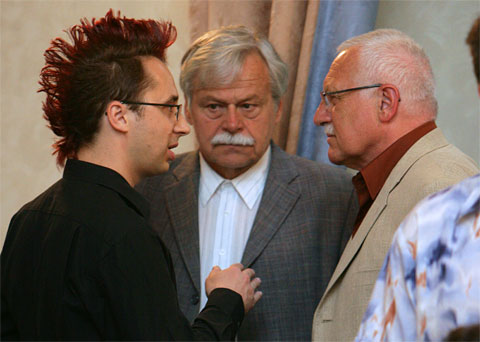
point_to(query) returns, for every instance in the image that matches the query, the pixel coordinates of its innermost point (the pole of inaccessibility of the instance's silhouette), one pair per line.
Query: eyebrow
(173, 98)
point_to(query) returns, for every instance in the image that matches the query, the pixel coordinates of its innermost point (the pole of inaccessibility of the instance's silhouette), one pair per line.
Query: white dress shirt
(226, 211)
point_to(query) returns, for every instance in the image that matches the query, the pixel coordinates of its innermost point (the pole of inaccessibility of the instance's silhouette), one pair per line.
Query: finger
(255, 282)
(256, 296)
(215, 269)
(250, 272)
(237, 265)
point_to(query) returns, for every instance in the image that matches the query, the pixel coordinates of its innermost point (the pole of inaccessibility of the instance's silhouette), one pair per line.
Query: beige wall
(27, 167)
(441, 28)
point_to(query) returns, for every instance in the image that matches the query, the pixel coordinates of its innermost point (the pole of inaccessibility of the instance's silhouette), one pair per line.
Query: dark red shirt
(370, 180)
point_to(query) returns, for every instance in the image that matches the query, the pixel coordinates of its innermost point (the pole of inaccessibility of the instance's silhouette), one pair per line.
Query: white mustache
(226, 138)
(328, 129)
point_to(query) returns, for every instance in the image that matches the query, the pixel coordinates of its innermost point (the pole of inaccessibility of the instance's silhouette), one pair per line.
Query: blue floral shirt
(430, 280)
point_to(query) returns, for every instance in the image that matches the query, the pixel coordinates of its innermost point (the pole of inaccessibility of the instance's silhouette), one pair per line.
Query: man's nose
(322, 115)
(181, 126)
(233, 120)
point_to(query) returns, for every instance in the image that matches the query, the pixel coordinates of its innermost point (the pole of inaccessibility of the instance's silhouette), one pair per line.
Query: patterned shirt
(430, 280)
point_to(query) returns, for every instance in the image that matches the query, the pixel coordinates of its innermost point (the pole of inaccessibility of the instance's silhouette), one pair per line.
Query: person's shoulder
(455, 156)
(46, 202)
(444, 156)
(310, 168)
(440, 168)
(441, 210)
(312, 176)
(465, 192)
(105, 213)
(73, 205)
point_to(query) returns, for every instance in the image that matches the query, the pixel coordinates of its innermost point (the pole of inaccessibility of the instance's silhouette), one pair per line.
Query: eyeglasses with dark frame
(168, 105)
(328, 93)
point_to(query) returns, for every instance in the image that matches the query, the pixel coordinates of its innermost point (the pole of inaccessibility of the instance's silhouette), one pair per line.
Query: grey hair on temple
(216, 58)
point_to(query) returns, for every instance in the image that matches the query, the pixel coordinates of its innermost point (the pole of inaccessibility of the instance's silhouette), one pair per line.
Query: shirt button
(195, 299)
(221, 252)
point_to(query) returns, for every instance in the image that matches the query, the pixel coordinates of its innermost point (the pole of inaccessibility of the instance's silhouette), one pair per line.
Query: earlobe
(116, 113)
(278, 115)
(389, 102)
(188, 115)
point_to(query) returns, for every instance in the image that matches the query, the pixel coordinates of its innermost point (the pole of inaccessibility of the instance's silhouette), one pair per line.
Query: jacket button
(195, 299)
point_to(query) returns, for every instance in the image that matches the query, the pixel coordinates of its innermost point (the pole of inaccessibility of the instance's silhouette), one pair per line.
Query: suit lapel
(182, 207)
(279, 197)
(354, 245)
(431, 141)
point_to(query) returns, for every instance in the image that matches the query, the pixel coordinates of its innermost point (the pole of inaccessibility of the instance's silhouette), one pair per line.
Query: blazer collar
(249, 185)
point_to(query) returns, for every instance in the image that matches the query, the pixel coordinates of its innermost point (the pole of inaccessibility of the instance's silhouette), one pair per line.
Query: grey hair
(217, 57)
(391, 56)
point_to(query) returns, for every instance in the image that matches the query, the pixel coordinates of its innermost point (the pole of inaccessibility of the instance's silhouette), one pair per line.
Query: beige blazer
(428, 166)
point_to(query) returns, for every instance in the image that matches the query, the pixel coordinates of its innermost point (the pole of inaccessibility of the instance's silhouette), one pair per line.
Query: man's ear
(278, 114)
(116, 114)
(389, 102)
(188, 115)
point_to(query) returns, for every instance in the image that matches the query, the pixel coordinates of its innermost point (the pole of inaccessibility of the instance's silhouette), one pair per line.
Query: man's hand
(235, 278)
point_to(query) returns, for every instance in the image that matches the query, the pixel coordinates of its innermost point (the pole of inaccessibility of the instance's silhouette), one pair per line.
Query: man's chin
(334, 159)
(233, 164)
(162, 168)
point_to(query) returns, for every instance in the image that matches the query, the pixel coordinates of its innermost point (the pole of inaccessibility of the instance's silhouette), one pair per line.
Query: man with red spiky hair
(80, 261)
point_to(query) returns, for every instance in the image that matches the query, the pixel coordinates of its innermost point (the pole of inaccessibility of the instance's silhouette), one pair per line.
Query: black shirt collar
(96, 174)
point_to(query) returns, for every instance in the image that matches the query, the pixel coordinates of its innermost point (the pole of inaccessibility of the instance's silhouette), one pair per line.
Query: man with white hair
(240, 198)
(429, 285)
(378, 110)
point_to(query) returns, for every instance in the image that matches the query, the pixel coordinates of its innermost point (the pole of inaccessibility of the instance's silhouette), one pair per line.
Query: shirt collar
(377, 171)
(249, 185)
(96, 174)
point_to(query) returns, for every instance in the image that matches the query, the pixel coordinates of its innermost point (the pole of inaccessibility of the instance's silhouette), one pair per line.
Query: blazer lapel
(279, 197)
(431, 141)
(354, 244)
(183, 213)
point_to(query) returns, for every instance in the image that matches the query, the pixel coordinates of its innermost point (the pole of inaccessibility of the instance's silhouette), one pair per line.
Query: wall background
(441, 27)
(26, 28)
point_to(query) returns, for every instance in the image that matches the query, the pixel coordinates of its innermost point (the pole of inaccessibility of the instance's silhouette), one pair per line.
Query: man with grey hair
(240, 198)
(378, 110)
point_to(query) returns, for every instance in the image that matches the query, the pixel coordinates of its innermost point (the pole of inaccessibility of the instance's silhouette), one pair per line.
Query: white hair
(217, 57)
(390, 56)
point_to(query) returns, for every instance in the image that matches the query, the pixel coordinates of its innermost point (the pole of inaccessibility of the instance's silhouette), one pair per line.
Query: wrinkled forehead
(344, 68)
(218, 75)
(213, 77)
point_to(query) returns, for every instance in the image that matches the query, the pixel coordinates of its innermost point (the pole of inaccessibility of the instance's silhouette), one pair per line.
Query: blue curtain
(338, 20)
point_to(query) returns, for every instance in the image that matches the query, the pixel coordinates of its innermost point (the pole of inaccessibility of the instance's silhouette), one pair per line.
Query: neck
(107, 158)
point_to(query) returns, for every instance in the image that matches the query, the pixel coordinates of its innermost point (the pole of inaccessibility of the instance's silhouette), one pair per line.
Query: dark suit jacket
(303, 222)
